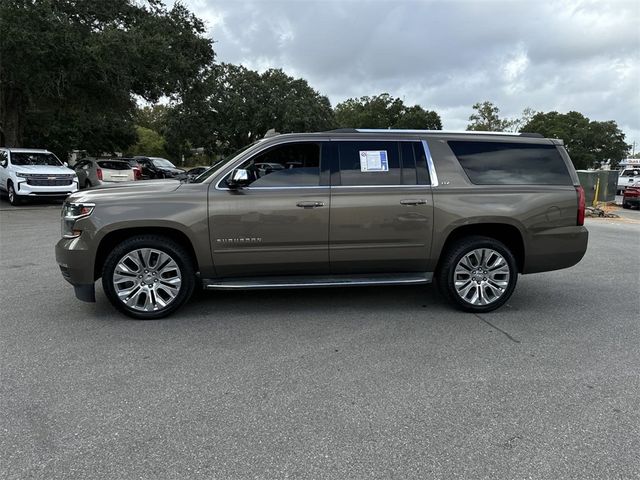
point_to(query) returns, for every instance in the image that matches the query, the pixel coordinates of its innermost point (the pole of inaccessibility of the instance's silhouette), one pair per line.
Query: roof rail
(531, 134)
(342, 130)
(458, 132)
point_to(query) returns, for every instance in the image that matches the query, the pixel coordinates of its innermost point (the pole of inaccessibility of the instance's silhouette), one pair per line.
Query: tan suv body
(347, 207)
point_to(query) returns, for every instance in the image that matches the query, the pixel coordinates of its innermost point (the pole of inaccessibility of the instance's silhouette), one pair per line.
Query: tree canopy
(588, 142)
(234, 106)
(384, 111)
(71, 70)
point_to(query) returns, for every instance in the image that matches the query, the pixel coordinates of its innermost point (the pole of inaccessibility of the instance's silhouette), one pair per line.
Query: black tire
(626, 205)
(14, 198)
(455, 253)
(160, 243)
(87, 184)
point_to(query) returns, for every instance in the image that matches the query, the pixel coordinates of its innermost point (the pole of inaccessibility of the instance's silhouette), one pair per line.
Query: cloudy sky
(446, 55)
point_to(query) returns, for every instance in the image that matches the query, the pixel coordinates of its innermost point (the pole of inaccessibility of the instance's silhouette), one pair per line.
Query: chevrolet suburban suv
(27, 173)
(471, 211)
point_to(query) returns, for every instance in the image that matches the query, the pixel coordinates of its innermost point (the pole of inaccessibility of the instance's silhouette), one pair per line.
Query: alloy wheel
(481, 276)
(147, 280)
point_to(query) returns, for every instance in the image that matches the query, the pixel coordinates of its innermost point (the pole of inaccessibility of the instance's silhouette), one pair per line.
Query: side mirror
(66, 164)
(239, 178)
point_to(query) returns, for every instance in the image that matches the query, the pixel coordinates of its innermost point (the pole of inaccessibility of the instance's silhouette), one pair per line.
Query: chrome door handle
(419, 201)
(310, 204)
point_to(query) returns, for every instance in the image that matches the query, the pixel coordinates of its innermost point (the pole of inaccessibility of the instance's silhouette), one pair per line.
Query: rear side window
(503, 163)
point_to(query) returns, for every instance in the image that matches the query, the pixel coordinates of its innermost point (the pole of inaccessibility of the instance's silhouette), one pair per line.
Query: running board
(316, 281)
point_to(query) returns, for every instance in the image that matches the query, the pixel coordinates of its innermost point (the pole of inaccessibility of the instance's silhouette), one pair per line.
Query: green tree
(153, 117)
(384, 111)
(588, 142)
(234, 106)
(149, 143)
(70, 69)
(487, 119)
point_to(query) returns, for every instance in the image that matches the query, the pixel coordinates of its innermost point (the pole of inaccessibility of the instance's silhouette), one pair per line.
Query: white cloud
(548, 55)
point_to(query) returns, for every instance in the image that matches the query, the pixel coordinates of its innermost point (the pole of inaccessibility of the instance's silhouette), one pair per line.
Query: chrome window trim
(281, 188)
(432, 169)
(381, 186)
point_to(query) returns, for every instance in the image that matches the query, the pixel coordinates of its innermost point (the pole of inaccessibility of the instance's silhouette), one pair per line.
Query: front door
(381, 207)
(279, 223)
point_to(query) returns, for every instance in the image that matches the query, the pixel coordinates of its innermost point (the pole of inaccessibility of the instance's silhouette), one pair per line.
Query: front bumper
(633, 201)
(76, 265)
(25, 190)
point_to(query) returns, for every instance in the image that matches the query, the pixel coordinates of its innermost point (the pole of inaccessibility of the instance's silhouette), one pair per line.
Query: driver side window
(287, 165)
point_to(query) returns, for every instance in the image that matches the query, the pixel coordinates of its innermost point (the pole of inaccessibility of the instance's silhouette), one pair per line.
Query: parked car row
(98, 171)
(29, 173)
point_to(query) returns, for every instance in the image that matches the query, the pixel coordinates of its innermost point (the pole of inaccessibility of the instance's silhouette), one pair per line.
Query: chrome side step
(316, 281)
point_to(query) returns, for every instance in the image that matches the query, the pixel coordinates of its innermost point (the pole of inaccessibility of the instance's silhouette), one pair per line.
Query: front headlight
(72, 212)
(23, 175)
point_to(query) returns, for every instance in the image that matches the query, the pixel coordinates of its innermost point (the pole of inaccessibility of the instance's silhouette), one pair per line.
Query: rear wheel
(626, 205)
(148, 276)
(477, 274)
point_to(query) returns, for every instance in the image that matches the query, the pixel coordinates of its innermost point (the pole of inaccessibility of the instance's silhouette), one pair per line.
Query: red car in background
(631, 196)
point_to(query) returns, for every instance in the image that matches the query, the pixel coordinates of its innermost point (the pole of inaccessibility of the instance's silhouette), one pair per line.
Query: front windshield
(162, 162)
(220, 163)
(35, 158)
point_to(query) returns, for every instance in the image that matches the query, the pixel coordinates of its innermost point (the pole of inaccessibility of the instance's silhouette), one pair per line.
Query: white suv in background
(28, 173)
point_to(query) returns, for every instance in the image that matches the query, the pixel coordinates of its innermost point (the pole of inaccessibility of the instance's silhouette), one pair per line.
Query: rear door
(381, 207)
(279, 224)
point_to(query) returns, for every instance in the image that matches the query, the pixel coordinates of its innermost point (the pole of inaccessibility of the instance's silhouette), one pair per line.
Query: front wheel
(626, 205)
(148, 276)
(477, 274)
(14, 199)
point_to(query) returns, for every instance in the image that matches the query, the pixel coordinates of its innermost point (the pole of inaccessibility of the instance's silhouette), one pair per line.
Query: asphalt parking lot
(386, 382)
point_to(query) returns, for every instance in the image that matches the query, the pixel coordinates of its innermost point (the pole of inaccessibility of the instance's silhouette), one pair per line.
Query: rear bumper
(554, 249)
(633, 201)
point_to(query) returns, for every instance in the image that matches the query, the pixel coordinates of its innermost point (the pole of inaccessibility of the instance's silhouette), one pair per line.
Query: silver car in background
(92, 172)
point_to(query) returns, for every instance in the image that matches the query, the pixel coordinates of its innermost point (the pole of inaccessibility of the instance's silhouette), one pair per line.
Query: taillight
(581, 205)
(136, 173)
(99, 173)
